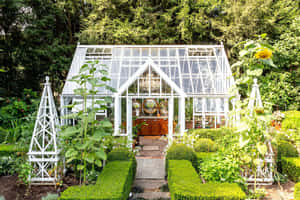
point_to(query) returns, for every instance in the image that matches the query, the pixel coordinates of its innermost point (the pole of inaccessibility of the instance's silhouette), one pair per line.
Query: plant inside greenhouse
(149, 100)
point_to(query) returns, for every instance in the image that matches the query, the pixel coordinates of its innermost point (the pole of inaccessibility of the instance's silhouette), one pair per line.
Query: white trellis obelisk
(43, 151)
(255, 99)
(264, 171)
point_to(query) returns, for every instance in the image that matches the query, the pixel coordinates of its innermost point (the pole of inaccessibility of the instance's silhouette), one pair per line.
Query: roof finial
(255, 81)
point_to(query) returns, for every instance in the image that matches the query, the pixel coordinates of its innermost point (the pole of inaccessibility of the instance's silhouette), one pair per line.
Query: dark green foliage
(181, 152)
(291, 167)
(113, 183)
(285, 149)
(205, 145)
(297, 191)
(184, 183)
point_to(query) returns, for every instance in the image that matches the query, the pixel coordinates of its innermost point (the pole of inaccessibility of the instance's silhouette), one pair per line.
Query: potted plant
(135, 129)
(277, 117)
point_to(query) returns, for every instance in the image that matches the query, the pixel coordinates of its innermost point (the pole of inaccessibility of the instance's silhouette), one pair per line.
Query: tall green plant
(83, 142)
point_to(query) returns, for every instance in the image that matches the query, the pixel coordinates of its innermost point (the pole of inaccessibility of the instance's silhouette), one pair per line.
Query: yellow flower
(263, 54)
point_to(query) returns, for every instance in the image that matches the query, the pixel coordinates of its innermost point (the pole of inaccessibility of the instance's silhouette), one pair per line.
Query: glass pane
(163, 52)
(181, 52)
(198, 104)
(194, 67)
(136, 52)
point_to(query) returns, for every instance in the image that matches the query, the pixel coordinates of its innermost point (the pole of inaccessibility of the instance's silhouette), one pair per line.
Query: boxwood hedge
(291, 167)
(297, 191)
(114, 183)
(184, 183)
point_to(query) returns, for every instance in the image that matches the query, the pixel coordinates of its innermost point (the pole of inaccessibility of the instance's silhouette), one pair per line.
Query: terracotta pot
(277, 126)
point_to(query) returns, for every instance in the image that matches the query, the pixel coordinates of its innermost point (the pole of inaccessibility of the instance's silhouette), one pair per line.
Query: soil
(12, 189)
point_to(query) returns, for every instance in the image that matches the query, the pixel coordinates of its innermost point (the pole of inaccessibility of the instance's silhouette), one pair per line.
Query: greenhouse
(170, 88)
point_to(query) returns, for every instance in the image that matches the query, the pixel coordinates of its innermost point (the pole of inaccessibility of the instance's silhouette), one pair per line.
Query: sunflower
(263, 54)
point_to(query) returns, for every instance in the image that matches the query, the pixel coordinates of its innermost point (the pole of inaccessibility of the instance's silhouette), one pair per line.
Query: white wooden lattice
(264, 171)
(255, 99)
(43, 151)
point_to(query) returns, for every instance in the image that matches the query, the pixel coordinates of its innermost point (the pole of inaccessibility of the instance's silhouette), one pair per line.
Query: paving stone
(149, 184)
(150, 168)
(152, 195)
(150, 148)
(151, 154)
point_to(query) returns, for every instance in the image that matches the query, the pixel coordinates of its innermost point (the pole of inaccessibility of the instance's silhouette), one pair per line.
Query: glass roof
(196, 69)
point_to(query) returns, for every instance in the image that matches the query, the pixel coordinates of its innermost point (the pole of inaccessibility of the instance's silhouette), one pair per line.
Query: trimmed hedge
(205, 145)
(181, 152)
(124, 154)
(297, 191)
(285, 149)
(114, 183)
(291, 167)
(184, 183)
(8, 149)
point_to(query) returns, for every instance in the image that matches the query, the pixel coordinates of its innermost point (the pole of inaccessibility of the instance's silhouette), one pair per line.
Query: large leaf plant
(82, 143)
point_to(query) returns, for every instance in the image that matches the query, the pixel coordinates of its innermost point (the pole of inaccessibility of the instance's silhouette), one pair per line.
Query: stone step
(149, 185)
(150, 168)
(152, 195)
(151, 154)
(144, 141)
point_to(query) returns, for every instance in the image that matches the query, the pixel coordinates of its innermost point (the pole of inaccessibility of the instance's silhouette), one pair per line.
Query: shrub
(205, 145)
(291, 120)
(285, 149)
(222, 168)
(291, 167)
(124, 154)
(203, 156)
(114, 183)
(9, 149)
(297, 191)
(184, 183)
(181, 152)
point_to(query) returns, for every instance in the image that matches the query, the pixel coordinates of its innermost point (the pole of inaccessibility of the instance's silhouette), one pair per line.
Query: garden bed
(12, 189)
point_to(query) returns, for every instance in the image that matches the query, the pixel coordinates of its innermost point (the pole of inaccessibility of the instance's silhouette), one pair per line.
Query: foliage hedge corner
(106, 188)
(124, 154)
(297, 191)
(8, 149)
(181, 152)
(285, 149)
(291, 167)
(184, 183)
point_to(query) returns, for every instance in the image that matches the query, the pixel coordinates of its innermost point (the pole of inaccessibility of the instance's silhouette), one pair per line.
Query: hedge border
(291, 167)
(184, 183)
(297, 191)
(114, 183)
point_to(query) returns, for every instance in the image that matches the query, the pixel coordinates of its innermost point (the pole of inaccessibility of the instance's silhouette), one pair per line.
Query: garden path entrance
(150, 176)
